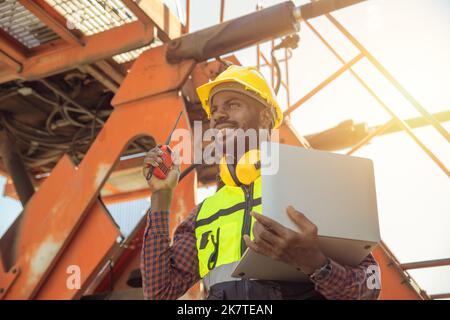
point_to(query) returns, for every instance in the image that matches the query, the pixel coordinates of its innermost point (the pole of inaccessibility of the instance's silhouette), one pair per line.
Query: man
(210, 241)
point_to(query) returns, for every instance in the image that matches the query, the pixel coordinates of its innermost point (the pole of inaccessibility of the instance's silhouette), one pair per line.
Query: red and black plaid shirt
(169, 270)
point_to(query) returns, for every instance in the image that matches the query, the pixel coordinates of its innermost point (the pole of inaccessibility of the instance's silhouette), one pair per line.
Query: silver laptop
(336, 192)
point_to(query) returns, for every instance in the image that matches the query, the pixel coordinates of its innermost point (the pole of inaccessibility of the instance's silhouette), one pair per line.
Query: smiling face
(235, 110)
(230, 109)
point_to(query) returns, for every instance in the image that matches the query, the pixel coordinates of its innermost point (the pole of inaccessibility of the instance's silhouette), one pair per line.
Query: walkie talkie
(163, 168)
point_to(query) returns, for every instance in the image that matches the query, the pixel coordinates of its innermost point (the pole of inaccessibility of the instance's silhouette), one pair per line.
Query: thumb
(296, 216)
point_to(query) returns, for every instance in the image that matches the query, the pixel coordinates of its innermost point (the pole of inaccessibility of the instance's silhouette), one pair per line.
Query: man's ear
(266, 118)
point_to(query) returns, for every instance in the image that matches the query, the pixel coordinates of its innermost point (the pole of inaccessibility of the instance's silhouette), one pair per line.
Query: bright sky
(411, 38)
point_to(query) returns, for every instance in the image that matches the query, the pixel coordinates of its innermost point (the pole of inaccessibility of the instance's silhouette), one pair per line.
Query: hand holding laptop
(336, 191)
(299, 249)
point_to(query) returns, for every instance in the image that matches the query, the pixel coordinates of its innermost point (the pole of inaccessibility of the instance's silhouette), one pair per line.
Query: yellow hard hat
(251, 79)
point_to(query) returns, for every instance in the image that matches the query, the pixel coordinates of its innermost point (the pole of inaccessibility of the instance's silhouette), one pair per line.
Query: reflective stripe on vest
(222, 221)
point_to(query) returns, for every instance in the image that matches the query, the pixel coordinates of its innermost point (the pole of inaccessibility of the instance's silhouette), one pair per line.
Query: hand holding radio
(161, 168)
(162, 165)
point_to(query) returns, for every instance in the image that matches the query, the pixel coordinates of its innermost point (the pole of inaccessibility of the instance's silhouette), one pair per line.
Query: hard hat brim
(204, 91)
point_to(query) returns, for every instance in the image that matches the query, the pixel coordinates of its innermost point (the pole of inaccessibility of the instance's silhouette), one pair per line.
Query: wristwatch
(322, 272)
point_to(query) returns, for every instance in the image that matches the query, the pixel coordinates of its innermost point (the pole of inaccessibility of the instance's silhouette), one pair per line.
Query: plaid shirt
(169, 270)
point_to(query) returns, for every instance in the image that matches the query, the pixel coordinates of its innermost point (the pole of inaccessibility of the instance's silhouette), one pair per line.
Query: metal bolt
(2, 290)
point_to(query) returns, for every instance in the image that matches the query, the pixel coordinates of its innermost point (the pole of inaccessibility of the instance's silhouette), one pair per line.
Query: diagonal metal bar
(390, 78)
(371, 135)
(418, 122)
(440, 296)
(99, 76)
(10, 62)
(12, 48)
(401, 122)
(324, 83)
(222, 10)
(426, 264)
(111, 71)
(168, 25)
(321, 7)
(137, 11)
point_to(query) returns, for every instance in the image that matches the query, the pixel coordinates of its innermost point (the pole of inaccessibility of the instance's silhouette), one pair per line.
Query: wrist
(322, 273)
(316, 262)
(161, 200)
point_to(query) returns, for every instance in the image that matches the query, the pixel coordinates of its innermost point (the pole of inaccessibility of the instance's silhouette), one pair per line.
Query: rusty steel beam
(126, 256)
(7, 278)
(110, 70)
(100, 77)
(109, 187)
(97, 47)
(12, 48)
(55, 214)
(52, 19)
(162, 77)
(126, 196)
(168, 25)
(137, 11)
(121, 166)
(103, 232)
(425, 264)
(16, 168)
(10, 62)
(7, 75)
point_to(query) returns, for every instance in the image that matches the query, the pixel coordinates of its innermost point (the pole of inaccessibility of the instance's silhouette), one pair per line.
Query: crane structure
(81, 100)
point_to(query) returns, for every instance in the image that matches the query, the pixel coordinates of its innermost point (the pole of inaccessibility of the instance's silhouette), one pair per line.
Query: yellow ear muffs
(227, 172)
(248, 167)
(244, 172)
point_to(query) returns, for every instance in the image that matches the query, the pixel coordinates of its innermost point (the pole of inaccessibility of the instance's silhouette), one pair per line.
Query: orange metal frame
(62, 220)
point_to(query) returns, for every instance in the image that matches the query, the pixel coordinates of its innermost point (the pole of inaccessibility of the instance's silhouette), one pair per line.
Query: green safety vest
(222, 221)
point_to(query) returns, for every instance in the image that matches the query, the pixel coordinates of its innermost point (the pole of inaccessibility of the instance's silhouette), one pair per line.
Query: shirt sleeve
(168, 270)
(344, 282)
